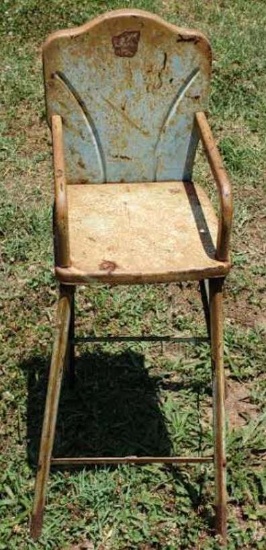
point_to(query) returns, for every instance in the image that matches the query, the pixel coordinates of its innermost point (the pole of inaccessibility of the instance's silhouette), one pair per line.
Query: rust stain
(108, 266)
(183, 38)
(162, 69)
(194, 97)
(126, 44)
(122, 157)
(36, 523)
(83, 182)
(50, 84)
(81, 164)
(121, 111)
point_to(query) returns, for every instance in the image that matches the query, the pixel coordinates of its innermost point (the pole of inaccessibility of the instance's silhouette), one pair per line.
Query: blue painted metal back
(127, 86)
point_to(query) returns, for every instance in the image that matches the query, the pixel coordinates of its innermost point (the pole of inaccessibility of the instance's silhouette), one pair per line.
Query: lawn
(150, 399)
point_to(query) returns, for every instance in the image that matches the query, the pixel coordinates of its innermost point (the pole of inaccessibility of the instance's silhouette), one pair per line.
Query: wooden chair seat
(141, 232)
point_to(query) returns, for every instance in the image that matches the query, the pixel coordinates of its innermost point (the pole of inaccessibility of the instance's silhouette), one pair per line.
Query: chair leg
(51, 408)
(205, 298)
(71, 345)
(216, 321)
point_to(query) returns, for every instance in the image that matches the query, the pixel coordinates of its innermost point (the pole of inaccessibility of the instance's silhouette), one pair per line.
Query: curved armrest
(60, 205)
(223, 184)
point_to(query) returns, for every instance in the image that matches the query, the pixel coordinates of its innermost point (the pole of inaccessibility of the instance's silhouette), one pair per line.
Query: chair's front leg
(51, 407)
(216, 319)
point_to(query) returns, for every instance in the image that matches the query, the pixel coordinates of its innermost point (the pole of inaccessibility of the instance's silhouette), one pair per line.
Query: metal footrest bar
(180, 340)
(130, 460)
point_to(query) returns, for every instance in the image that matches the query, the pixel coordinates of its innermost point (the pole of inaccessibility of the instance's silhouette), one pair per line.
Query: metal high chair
(125, 95)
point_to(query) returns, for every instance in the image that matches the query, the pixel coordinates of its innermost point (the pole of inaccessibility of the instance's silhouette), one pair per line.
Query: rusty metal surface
(51, 407)
(141, 232)
(126, 44)
(61, 240)
(216, 318)
(224, 187)
(127, 86)
(152, 338)
(74, 461)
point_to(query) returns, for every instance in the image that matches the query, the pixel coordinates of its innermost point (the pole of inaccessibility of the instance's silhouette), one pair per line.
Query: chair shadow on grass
(113, 410)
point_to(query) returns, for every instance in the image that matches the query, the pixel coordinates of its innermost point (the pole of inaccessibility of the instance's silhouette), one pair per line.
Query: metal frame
(131, 460)
(63, 352)
(211, 290)
(59, 357)
(216, 325)
(62, 252)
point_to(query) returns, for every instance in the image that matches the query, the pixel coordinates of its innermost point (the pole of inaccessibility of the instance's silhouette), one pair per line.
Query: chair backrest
(127, 85)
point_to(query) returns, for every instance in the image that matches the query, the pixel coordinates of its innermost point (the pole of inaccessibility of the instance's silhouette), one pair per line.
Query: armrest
(60, 204)
(223, 184)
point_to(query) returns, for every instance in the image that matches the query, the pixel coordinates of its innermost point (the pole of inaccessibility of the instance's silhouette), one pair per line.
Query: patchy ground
(149, 398)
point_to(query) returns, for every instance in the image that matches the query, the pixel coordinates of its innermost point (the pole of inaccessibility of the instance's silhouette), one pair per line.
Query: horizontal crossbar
(131, 460)
(180, 340)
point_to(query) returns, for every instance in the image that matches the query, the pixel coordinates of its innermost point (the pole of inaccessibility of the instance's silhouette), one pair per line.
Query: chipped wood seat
(125, 97)
(141, 233)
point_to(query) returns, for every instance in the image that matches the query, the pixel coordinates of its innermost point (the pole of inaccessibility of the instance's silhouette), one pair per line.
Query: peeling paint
(108, 266)
(127, 91)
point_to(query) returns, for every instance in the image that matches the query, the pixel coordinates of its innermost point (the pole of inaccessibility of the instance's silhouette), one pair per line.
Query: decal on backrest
(126, 44)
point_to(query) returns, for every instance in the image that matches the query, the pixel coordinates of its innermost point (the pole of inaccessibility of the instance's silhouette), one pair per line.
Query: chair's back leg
(216, 321)
(205, 298)
(51, 408)
(71, 344)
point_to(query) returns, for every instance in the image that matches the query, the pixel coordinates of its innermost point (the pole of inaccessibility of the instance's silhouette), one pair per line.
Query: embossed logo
(126, 44)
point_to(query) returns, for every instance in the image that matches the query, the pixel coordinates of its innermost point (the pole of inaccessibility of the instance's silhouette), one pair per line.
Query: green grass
(138, 398)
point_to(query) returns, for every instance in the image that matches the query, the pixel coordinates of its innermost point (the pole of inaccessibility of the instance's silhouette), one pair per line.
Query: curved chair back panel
(127, 86)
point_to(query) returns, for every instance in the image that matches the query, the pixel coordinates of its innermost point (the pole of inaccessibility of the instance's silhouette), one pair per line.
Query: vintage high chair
(124, 95)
